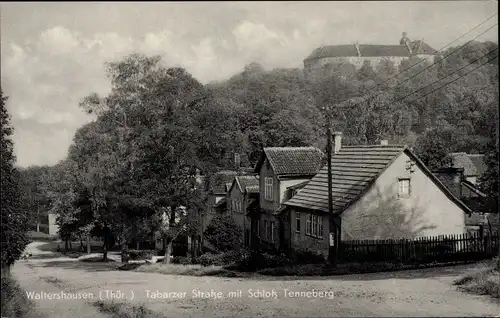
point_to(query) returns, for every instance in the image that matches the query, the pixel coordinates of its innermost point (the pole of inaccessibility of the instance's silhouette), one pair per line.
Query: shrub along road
(411, 293)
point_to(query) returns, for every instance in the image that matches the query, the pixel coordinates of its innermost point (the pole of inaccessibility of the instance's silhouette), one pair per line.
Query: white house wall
(427, 212)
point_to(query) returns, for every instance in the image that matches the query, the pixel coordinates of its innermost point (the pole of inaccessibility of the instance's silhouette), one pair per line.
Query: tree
(34, 183)
(224, 233)
(149, 148)
(434, 146)
(14, 219)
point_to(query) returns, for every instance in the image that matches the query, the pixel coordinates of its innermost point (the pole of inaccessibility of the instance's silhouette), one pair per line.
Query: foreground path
(37, 282)
(412, 293)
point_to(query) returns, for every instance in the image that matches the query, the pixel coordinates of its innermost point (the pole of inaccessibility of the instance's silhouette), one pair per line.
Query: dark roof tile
(353, 170)
(292, 161)
(249, 184)
(371, 50)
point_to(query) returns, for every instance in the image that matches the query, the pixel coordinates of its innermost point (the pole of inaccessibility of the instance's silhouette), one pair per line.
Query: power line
(456, 79)
(461, 36)
(477, 26)
(436, 62)
(440, 79)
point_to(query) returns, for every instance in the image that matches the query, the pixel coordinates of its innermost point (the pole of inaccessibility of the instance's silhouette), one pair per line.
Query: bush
(14, 302)
(135, 255)
(254, 260)
(39, 236)
(183, 260)
(224, 234)
(483, 281)
(221, 259)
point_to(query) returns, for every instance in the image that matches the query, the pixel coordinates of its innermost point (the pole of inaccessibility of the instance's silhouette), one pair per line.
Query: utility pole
(498, 196)
(331, 218)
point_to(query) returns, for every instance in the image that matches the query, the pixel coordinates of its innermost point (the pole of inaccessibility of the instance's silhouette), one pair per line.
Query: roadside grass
(40, 236)
(124, 310)
(484, 279)
(190, 270)
(14, 302)
(95, 259)
(302, 270)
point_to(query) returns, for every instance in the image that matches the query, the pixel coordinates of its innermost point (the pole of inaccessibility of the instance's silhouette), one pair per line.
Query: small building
(378, 192)
(53, 227)
(473, 165)
(454, 179)
(242, 193)
(279, 168)
(216, 199)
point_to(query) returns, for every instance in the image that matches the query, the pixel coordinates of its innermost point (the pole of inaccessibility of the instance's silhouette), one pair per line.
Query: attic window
(404, 189)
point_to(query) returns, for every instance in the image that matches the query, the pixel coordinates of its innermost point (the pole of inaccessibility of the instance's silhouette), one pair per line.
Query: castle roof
(371, 50)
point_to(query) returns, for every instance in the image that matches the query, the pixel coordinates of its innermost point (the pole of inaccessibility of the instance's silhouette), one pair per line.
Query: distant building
(473, 165)
(357, 54)
(53, 227)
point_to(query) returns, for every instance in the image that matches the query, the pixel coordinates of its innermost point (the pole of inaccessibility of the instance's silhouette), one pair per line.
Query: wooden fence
(448, 248)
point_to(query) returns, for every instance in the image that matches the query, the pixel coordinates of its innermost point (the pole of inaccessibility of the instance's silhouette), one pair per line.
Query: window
(258, 228)
(314, 225)
(297, 222)
(273, 229)
(309, 224)
(404, 188)
(268, 190)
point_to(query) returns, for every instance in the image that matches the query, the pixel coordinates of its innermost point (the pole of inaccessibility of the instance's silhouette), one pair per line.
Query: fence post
(486, 246)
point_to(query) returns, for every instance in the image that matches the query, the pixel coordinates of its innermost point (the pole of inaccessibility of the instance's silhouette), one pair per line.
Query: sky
(53, 53)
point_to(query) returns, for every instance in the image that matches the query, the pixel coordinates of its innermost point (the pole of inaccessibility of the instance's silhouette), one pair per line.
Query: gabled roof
(420, 47)
(292, 161)
(246, 184)
(354, 169)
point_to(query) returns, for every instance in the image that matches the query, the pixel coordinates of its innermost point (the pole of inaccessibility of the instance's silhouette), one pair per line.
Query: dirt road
(410, 293)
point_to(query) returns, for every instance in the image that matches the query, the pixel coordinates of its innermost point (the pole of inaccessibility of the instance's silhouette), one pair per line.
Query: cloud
(58, 41)
(51, 61)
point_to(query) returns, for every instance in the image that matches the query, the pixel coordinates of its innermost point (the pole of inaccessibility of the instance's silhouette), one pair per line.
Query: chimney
(384, 142)
(337, 140)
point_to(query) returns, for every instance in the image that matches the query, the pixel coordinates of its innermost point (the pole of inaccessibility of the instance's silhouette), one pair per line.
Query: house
(473, 165)
(218, 187)
(242, 193)
(279, 168)
(378, 192)
(454, 179)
